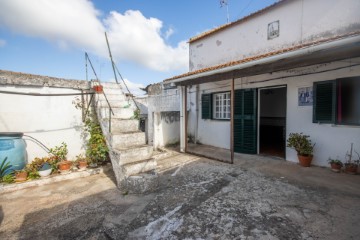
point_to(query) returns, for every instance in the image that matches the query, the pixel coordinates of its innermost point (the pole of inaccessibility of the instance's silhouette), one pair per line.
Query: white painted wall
(301, 21)
(166, 128)
(331, 141)
(51, 120)
(167, 101)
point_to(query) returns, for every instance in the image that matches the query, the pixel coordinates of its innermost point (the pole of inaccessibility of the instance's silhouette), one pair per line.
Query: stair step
(119, 112)
(125, 140)
(139, 167)
(107, 85)
(124, 125)
(133, 154)
(119, 125)
(112, 96)
(114, 103)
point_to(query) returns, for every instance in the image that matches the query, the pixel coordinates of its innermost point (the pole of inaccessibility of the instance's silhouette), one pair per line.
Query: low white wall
(166, 128)
(331, 141)
(52, 120)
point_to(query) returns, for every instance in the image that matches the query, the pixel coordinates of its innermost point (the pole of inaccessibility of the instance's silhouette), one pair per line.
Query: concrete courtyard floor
(197, 198)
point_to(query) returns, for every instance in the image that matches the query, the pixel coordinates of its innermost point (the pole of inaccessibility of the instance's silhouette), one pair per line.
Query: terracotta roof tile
(268, 54)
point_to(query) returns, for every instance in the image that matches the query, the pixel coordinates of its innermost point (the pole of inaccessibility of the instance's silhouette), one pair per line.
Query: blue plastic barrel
(13, 146)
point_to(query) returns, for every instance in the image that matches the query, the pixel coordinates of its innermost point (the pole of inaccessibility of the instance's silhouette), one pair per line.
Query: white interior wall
(331, 141)
(52, 120)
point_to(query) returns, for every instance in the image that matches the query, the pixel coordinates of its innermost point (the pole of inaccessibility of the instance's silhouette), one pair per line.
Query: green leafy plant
(60, 151)
(38, 163)
(335, 161)
(81, 157)
(96, 151)
(301, 143)
(136, 114)
(9, 178)
(4, 166)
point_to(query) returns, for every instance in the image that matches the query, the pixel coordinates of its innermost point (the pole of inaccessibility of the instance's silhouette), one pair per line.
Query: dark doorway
(272, 125)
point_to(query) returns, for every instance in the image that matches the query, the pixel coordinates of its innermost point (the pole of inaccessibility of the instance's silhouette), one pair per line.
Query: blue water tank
(13, 147)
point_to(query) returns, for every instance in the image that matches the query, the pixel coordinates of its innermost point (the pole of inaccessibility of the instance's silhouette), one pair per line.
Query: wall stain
(218, 42)
(170, 117)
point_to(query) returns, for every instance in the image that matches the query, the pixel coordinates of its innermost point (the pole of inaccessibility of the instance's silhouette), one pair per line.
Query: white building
(293, 67)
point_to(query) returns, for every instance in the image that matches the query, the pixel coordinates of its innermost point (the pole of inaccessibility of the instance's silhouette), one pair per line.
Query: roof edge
(232, 64)
(222, 27)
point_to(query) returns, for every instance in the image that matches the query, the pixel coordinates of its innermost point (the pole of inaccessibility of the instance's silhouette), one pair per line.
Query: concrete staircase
(130, 156)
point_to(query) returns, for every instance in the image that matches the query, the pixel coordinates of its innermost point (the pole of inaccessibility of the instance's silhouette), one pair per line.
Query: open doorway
(272, 121)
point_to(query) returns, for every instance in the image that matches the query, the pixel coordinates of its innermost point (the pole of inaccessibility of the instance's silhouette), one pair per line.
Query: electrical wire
(46, 94)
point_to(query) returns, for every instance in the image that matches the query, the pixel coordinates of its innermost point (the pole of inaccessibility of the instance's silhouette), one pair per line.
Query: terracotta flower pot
(65, 166)
(335, 167)
(21, 176)
(98, 88)
(351, 168)
(82, 164)
(305, 161)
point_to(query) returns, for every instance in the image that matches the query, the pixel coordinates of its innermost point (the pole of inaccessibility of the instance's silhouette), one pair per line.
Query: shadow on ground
(200, 200)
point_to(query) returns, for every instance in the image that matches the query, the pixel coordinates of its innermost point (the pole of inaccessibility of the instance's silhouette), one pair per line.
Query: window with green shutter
(206, 106)
(337, 101)
(324, 109)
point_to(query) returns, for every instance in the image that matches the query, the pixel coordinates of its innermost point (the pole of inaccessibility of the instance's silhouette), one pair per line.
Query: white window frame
(221, 105)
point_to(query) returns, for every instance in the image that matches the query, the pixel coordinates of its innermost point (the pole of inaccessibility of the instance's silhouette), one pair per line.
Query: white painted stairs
(129, 154)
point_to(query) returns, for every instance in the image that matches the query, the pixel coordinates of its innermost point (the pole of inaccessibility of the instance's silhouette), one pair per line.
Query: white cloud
(2, 42)
(168, 33)
(134, 88)
(77, 23)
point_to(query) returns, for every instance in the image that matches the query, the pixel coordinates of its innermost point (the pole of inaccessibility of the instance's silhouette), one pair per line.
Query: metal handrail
(117, 70)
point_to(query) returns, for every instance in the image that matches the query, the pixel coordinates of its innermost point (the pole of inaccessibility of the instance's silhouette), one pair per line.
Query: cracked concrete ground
(256, 198)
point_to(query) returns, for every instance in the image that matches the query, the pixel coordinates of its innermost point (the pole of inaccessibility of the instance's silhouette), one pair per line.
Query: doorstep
(4, 188)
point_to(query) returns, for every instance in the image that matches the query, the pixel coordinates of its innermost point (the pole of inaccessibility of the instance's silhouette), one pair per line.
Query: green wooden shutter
(245, 121)
(206, 106)
(324, 107)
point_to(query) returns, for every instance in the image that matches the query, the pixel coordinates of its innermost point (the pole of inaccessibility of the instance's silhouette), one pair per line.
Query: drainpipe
(182, 119)
(296, 53)
(197, 113)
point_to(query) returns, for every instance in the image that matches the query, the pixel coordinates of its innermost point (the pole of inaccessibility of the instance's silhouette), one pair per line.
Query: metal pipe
(46, 94)
(197, 113)
(232, 102)
(186, 118)
(111, 58)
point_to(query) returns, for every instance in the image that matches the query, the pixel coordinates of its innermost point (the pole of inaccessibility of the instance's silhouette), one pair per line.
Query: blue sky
(148, 38)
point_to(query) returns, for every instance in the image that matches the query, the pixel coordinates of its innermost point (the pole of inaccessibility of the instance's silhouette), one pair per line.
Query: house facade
(291, 67)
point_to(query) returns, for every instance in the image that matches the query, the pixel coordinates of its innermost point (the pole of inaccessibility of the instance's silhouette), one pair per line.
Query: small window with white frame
(221, 105)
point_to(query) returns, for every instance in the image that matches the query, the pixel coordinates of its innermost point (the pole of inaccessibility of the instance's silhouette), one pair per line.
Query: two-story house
(291, 67)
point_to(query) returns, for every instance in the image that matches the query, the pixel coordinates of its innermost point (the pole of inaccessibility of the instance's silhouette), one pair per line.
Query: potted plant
(351, 164)
(81, 162)
(303, 146)
(45, 170)
(60, 152)
(335, 164)
(97, 150)
(98, 88)
(21, 175)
